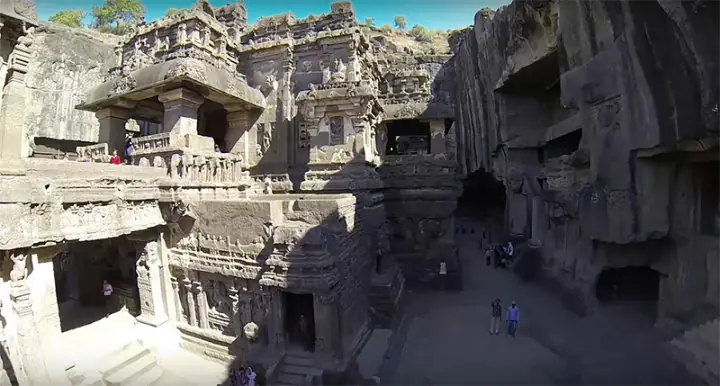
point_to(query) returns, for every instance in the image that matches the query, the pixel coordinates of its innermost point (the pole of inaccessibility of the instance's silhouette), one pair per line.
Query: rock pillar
(31, 361)
(181, 106)
(237, 139)
(327, 339)
(112, 128)
(178, 302)
(14, 141)
(152, 310)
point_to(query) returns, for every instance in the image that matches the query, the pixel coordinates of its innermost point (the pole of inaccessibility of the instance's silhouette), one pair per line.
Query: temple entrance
(480, 213)
(638, 285)
(80, 270)
(300, 320)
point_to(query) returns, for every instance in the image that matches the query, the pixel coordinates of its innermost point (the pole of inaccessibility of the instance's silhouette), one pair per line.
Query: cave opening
(407, 136)
(707, 179)
(636, 285)
(481, 207)
(212, 122)
(562, 145)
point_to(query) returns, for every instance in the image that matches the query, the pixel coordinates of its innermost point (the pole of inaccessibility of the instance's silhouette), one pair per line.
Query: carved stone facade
(246, 116)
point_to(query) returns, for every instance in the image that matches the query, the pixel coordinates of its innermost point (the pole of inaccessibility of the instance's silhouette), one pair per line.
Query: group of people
(499, 256)
(243, 377)
(512, 317)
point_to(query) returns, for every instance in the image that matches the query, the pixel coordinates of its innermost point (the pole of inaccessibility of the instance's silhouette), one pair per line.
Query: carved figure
(19, 270)
(251, 331)
(326, 74)
(118, 56)
(258, 151)
(266, 139)
(28, 38)
(206, 36)
(267, 182)
(353, 70)
(307, 65)
(340, 69)
(181, 34)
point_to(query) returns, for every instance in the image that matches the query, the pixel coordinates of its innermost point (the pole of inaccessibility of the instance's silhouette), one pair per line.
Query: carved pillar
(150, 286)
(326, 325)
(276, 319)
(237, 138)
(245, 308)
(437, 137)
(181, 106)
(192, 311)
(202, 306)
(28, 351)
(112, 128)
(178, 302)
(14, 142)
(234, 317)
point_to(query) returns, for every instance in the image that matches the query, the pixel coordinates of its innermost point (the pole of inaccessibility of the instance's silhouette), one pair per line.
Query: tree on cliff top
(400, 22)
(117, 12)
(172, 12)
(69, 17)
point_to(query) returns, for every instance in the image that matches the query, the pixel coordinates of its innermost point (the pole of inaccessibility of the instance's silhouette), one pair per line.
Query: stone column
(437, 137)
(31, 361)
(176, 297)
(152, 310)
(234, 317)
(181, 106)
(326, 325)
(276, 319)
(13, 138)
(192, 311)
(202, 306)
(112, 128)
(237, 139)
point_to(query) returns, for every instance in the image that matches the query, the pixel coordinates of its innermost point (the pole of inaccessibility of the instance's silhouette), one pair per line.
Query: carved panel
(337, 130)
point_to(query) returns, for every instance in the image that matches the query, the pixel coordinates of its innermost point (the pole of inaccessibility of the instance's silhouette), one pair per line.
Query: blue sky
(434, 14)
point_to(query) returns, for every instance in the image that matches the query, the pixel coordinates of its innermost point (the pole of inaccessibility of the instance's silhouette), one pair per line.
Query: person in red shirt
(115, 160)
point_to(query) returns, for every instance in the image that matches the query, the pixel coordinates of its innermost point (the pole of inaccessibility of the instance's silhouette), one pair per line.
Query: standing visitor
(512, 318)
(495, 317)
(250, 376)
(488, 256)
(510, 250)
(107, 291)
(115, 159)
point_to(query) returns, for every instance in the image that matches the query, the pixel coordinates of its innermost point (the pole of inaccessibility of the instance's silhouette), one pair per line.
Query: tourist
(512, 318)
(115, 159)
(250, 377)
(489, 256)
(304, 332)
(509, 250)
(128, 147)
(107, 291)
(495, 317)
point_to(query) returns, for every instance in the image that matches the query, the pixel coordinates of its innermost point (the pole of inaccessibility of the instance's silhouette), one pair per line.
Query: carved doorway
(299, 320)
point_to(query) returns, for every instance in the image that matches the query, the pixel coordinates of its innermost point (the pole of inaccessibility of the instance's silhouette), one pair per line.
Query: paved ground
(444, 339)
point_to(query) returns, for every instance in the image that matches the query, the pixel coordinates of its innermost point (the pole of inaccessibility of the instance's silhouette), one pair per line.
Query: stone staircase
(296, 368)
(698, 349)
(131, 364)
(385, 295)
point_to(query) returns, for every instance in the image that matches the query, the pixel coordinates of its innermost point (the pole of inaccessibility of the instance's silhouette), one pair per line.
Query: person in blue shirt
(512, 318)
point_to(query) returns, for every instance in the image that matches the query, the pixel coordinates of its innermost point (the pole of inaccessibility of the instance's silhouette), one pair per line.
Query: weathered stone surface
(65, 64)
(584, 110)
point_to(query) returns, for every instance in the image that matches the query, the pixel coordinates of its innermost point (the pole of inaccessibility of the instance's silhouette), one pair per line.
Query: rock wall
(66, 63)
(599, 118)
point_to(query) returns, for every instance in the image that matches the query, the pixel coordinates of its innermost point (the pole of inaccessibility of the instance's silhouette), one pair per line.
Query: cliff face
(601, 120)
(66, 63)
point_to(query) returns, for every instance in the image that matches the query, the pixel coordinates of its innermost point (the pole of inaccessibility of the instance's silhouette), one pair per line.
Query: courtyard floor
(444, 339)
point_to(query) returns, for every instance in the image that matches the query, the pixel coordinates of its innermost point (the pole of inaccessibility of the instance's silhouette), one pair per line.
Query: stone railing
(170, 142)
(213, 169)
(95, 153)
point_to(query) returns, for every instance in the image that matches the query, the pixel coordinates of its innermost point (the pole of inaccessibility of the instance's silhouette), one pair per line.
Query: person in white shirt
(107, 291)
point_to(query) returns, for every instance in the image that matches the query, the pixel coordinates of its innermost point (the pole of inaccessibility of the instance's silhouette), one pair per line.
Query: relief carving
(19, 269)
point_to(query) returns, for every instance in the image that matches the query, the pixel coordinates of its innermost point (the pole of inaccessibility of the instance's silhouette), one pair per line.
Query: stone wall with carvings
(562, 102)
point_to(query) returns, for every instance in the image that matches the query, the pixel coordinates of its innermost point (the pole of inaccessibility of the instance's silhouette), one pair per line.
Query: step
(148, 378)
(292, 379)
(294, 369)
(131, 371)
(298, 360)
(122, 357)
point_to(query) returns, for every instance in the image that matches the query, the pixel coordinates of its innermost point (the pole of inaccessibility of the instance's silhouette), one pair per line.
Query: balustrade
(94, 153)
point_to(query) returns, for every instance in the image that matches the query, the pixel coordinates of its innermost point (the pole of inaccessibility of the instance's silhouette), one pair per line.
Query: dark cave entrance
(300, 320)
(407, 136)
(637, 285)
(481, 207)
(212, 122)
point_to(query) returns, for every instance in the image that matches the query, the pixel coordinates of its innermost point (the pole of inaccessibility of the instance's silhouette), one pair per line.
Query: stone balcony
(51, 201)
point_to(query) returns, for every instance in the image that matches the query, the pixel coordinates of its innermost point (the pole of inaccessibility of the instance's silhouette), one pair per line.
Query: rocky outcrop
(601, 120)
(66, 63)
